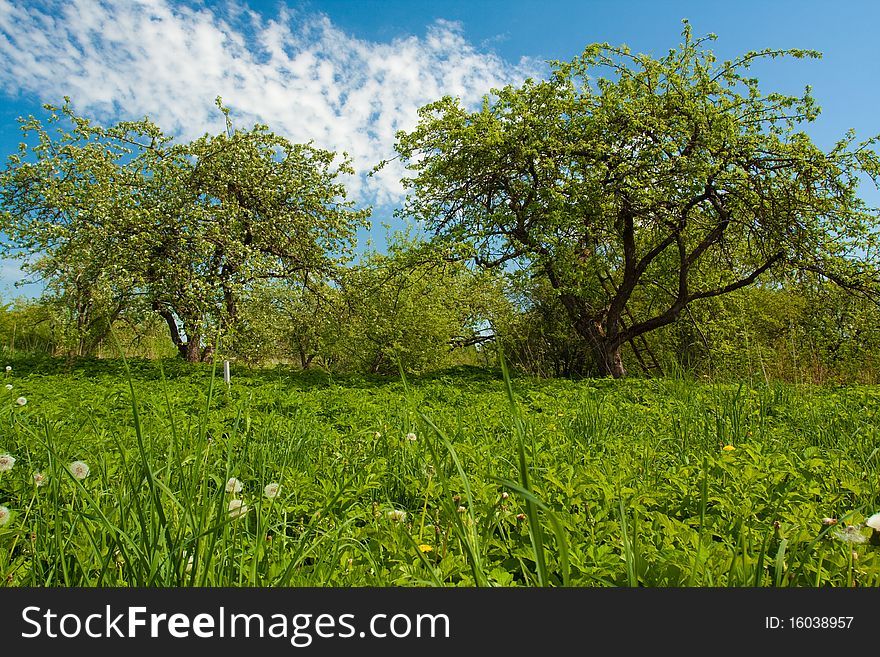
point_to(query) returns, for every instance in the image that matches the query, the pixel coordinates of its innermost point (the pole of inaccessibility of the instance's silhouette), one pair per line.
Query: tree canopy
(636, 186)
(114, 215)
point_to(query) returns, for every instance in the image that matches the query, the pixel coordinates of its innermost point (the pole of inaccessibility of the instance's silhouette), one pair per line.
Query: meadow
(158, 474)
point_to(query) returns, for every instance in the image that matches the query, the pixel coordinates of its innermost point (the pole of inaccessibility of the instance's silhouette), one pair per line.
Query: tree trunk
(606, 352)
(193, 349)
(607, 359)
(589, 326)
(173, 330)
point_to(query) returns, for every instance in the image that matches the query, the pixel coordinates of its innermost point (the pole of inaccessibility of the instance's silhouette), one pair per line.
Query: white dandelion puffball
(271, 490)
(21, 401)
(39, 479)
(396, 515)
(233, 485)
(5, 515)
(850, 534)
(6, 462)
(9, 386)
(9, 368)
(79, 470)
(237, 508)
(411, 436)
(873, 522)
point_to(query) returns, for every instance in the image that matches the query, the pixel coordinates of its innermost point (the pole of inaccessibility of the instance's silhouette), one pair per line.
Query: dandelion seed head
(850, 534)
(9, 368)
(21, 401)
(5, 515)
(873, 522)
(829, 521)
(461, 509)
(6, 462)
(39, 479)
(271, 490)
(411, 436)
(233, 485)
(79, 470)
(9, 386)
(237, 508)
(397, 515)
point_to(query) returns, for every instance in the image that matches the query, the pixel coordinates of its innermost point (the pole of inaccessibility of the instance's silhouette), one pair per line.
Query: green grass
(509, 482)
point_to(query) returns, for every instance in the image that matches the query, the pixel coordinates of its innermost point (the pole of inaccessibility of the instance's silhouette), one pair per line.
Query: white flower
(9, 368)
(396, 515)
(9, 386)
(237, 508)
(5, 515)
(271, 490)
(6, 462)
(233, 485)
(461, 509)
(79, 470)
(873, 522)
(21, 401)
(411, 436)
(39, 479)
(850, 534)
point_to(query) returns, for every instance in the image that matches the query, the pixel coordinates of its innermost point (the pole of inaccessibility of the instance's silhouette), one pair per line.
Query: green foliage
(45, 326)
(811, 331)
(113, 217)
(526, 483)
(636, 186)
(536, 335)
(286, 321)
(414, 306)
(411, 306)
(26, 326)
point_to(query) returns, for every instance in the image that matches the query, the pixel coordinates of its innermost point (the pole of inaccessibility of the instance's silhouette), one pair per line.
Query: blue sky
(349, 73)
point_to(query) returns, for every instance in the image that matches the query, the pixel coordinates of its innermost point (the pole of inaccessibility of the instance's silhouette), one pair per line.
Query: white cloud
(302, 76)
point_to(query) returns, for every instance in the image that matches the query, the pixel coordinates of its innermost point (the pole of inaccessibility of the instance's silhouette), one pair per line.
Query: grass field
(162, 475)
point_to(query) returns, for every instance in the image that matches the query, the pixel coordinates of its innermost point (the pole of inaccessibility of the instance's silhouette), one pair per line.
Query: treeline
(428, 314)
